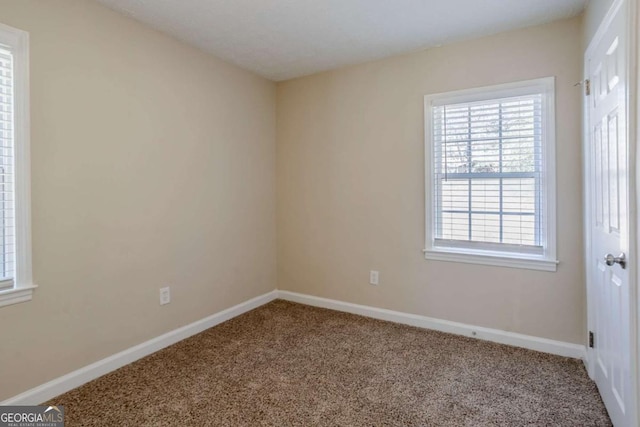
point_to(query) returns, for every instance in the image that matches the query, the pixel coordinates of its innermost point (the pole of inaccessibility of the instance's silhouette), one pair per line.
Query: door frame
(633, 118)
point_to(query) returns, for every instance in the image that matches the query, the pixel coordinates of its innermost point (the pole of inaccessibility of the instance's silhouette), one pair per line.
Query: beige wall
(351, 186)
(153, 164)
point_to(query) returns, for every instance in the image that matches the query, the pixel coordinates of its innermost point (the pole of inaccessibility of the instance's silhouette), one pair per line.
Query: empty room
(319, 213)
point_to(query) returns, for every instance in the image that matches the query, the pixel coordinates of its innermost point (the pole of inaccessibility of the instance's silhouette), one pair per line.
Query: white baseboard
(81, 376)
(544, 345)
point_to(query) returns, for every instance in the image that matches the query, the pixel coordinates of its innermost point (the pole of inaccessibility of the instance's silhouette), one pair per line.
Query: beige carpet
(287, 364)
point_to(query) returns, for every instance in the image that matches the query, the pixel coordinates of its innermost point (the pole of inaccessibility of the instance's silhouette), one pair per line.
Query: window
(15, 220)
(490, 175)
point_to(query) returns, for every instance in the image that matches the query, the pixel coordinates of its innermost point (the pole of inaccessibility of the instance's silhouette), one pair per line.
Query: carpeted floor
(287, 364)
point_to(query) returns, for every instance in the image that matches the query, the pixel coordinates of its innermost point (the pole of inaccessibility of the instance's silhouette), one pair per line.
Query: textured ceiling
(282, 39)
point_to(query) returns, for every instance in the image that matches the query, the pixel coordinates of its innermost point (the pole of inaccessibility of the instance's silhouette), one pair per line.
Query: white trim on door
(634, 136)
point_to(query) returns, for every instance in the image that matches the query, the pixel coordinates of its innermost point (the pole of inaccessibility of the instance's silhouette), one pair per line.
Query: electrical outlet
(374, 277)
(165, 296)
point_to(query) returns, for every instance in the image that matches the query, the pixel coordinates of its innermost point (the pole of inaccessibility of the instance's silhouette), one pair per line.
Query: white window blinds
(7, 208)
(16, 280)
(487, 174)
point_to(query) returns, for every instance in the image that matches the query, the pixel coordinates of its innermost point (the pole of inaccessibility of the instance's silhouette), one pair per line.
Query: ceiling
(283, 39)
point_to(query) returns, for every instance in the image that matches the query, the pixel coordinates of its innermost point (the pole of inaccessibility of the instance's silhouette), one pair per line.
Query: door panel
(608, 186)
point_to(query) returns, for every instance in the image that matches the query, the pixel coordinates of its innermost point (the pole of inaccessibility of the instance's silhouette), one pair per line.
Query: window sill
(494, 259)
(16, 295)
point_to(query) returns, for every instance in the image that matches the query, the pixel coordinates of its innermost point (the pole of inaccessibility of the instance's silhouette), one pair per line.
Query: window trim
(23, 287)
(458, 253)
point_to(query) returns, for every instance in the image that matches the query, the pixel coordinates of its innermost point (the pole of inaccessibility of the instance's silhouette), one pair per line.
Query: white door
(608, 163)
